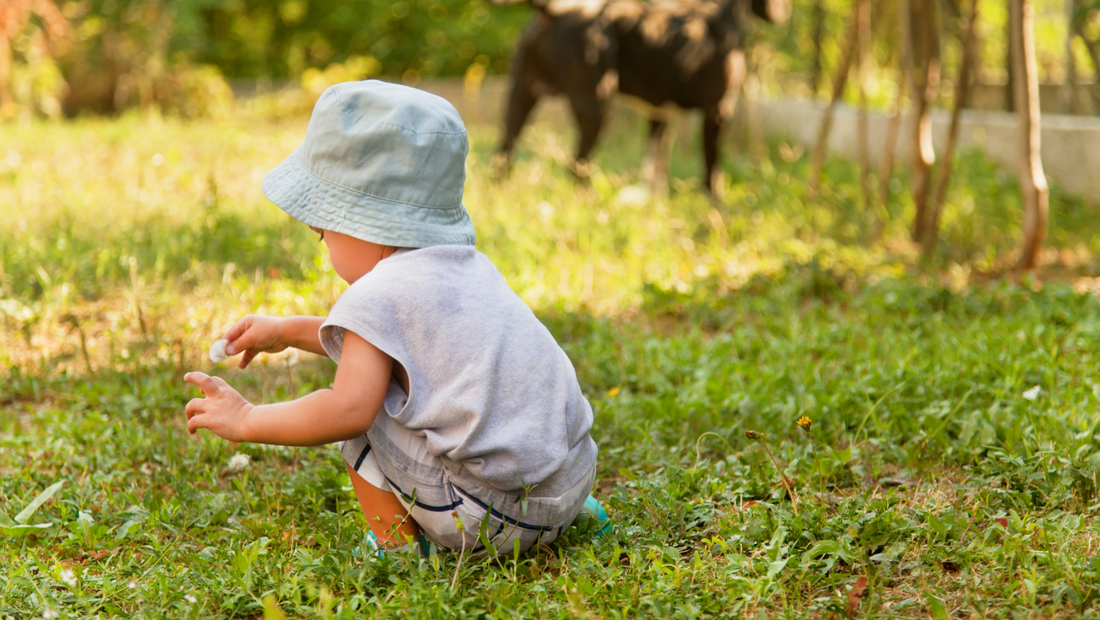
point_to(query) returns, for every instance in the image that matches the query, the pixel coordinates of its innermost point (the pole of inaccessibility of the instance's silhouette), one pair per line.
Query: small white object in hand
(217, 352)
(239, 462)
(1033, 393)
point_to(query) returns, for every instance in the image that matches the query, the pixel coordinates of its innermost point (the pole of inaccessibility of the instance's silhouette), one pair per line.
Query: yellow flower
(754, 435)
(804, 423)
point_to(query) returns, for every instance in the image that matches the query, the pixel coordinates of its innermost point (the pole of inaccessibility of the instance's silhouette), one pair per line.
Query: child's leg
(387, 518)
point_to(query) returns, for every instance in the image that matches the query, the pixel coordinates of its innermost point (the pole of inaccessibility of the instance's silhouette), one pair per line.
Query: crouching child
(454, 407)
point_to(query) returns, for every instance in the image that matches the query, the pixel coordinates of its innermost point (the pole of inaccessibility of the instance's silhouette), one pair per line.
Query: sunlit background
(133, 140)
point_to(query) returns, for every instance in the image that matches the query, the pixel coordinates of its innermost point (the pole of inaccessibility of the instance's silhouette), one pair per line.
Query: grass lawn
(950, 470)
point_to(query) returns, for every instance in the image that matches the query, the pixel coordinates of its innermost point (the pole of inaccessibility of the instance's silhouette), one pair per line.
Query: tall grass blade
(42, 498)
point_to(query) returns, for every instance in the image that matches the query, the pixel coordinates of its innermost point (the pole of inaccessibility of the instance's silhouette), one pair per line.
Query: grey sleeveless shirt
(490, 390)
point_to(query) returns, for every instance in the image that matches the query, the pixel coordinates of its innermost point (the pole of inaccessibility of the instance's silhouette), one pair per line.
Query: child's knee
(361, 461)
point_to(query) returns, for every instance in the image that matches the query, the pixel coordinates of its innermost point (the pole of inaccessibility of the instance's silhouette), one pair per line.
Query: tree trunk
(863, 50)
(840, 80)
(1033, 183)
(1032, 180)
(1069, 94)
(818, 33)
(1010, 82)
(962, 95)
(905, 68)
(926, 82)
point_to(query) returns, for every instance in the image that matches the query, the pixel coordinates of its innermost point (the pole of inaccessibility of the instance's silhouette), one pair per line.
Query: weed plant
(953, 469)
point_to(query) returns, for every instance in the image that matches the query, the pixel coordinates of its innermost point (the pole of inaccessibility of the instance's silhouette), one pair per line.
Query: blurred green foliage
(782, 56)
(181, 56)
(178, 55)
(280, 39)
(261, 38)
(1086, 24)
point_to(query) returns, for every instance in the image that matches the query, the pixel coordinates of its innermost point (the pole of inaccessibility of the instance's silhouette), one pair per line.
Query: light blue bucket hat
(380, 162)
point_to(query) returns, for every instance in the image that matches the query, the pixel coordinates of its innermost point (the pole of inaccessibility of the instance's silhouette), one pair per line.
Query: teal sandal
(372, 549)
(592, 512)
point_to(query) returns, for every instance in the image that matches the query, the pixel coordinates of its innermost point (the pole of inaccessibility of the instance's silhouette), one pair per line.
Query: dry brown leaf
(855, 595)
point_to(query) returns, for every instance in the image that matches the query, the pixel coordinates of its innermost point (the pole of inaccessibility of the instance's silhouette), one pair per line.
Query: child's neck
(353, 258)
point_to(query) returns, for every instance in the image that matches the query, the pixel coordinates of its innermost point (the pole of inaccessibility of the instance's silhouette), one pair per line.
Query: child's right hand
(222, 409)
(252, 335)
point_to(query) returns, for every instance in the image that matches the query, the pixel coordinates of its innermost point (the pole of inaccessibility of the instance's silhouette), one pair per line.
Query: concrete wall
(1071, 144)
(1053, 98)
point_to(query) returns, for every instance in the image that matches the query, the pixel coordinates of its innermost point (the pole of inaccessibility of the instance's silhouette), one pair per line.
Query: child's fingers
(195, 423)
(247, 359)
(239, 337)
(205, 382)
(234, 347)
(239, 328)
(195, 407)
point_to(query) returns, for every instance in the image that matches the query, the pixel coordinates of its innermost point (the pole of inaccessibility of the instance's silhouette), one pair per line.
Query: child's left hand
(223, 411)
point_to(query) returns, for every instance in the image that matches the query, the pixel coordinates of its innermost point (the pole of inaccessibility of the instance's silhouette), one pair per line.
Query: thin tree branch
(962, 95)
(840, 81)
(863, 50)
(905, 68)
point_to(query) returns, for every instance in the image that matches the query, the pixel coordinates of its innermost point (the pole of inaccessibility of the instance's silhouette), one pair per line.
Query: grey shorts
(396, 459)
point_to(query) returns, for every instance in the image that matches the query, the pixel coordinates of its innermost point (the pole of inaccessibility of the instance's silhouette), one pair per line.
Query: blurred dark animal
(687, 53)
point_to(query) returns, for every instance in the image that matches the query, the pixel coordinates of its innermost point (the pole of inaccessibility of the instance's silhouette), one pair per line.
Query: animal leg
(589, 111)
(656, 163)
(520, 103)
(712, 129)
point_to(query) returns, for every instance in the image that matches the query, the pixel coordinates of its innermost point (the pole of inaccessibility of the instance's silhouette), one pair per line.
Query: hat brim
(321, 204)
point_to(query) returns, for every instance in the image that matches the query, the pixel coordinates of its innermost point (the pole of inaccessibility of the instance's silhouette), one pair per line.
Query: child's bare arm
(255, 334)
(301, 332)
(343, 412)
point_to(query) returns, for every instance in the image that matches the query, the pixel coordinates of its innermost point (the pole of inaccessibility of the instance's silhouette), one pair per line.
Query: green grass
(930, 475)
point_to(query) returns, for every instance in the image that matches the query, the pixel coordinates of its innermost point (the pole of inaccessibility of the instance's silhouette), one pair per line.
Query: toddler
(454, 407)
